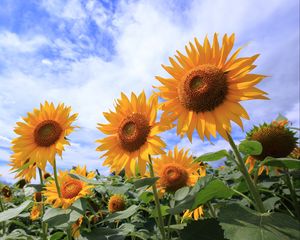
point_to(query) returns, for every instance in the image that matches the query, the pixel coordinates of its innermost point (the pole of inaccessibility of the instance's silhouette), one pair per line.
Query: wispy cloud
(84, 53)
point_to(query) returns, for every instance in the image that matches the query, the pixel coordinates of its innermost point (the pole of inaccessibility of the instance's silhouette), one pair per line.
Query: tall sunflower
(175, 169)
(132, 130)
(277, 141)
(71, 189)
(206, 86)
(43, 134)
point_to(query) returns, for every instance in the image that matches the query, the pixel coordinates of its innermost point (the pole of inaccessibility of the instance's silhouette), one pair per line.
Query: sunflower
(6, 193)
(277, 141)
(83, 172)
(71, 190)
(23, 167)
(37, 196)
(132, 130)
(195, 214)
(206, 87)
(75, 228)
(36, 211)
(43, 134)
(175, 170)
(116, 203)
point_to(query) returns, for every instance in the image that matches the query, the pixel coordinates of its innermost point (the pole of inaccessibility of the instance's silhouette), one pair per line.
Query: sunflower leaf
(145, 182)
(14, 212)
(240, 222)
(250, 147)
(84, 179)
(122, 214)
(212, 156)
(289, 163)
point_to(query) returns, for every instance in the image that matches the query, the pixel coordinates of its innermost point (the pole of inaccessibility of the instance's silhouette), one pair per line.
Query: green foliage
(213, 156)
(250, 147)
(289, 163)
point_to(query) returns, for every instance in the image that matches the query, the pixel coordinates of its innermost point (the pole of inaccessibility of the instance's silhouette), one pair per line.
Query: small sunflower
(175, 170)
(132, 130)
(83, 172)
(195, 214)
(116, 203)
(37, 196)
(36, 211)
(6, 193)
(46, 175)
(23, 167)
(43, 134)
(206, 86)
(75, 228)
(71, 190)
(276, 139)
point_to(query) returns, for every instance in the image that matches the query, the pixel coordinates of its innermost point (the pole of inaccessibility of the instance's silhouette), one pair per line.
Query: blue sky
(84, 53)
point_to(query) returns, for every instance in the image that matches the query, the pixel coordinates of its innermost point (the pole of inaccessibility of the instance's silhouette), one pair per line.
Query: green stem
(2, 210)
(293, 193)
(251, 186)
(160, 218)
(55, 178)
(212, 210)
(69, 234)
(244, 196)
(44, 225)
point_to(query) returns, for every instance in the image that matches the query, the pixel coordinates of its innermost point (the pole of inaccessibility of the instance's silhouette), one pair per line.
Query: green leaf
(56, 216)
(122, 214)
(57, 236)
(146, 197)
(250, 147)
(78, 209)
(214, 189)
(84, 179)
(240, 222)
(122, 189)
(213, 156)
(207, 229)
(270, 203)
(14, 212)
(145, 182)
(289, 163)
(164, 211)
(176, 226)
(103, 233)
(181, 193)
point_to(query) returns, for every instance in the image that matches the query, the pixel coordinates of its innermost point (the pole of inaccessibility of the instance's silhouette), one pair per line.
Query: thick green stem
(44, 225)
(160, 218)
(251, 186)
(2, 209)
(293, 193)
(55, 178)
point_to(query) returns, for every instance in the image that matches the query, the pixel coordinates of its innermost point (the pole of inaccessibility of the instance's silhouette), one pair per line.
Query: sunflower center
(47, 133)
(203, 88)
(276, 141)
(174, 177)
(116, 203)
(133, 132)
(71, 188)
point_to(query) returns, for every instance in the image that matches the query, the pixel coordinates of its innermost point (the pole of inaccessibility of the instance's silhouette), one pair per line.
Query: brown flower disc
(133, 132)
(47, 133)
(276, 141)
(71, 188)
(203, 88)
(174, 177)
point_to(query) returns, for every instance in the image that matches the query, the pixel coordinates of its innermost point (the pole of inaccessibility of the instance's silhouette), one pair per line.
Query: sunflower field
(154, 192)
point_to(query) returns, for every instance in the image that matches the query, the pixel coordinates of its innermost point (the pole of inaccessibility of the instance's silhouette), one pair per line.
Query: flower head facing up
(132, 130)
(206, 86)
(116, 203)
(277, 141)
(42, 135)
(71, 189)
(175, 169)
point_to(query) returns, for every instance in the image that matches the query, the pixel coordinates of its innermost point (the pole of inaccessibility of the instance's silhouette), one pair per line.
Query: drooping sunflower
(276, 139)
(195, 214)
(206, 86)
(132, 130)
(175, 169)
(43, 134)
(116, 203)
(71, 190)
